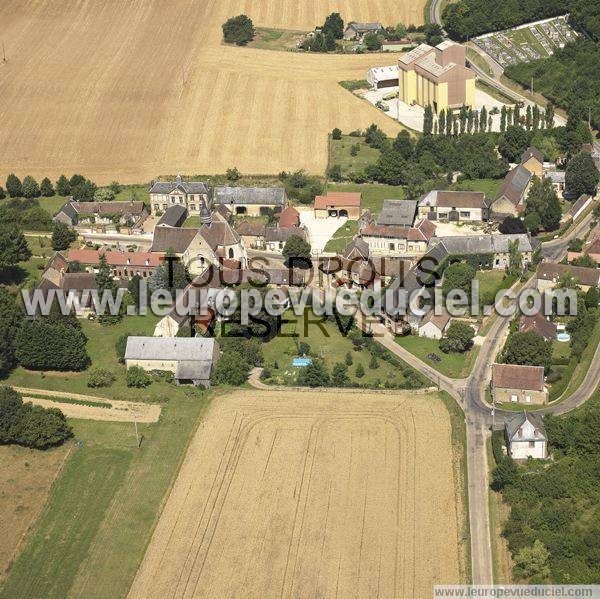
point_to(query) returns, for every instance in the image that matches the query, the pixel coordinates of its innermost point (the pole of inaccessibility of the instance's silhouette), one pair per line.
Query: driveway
(320, 230)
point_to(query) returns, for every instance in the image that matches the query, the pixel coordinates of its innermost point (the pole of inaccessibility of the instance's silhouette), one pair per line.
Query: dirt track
(288, 495)
(130, 90)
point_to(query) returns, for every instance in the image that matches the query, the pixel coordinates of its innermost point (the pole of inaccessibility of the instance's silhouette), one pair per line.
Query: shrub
(373, 364)
(336, 133)
(100, 377)
(137, 377)
(314, 375)
(348, 360)
(360, 371)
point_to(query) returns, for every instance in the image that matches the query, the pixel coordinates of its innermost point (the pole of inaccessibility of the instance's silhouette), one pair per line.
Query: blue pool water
(563, 337)
(299, 362)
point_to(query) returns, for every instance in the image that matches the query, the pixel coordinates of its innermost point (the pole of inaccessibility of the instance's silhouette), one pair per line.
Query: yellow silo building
(436, 76)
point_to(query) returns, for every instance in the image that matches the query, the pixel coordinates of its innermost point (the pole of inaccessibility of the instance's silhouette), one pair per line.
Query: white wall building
(526, 436)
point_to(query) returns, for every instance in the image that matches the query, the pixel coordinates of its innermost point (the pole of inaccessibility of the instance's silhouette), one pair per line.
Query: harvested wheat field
(131, 89)
(293, 494)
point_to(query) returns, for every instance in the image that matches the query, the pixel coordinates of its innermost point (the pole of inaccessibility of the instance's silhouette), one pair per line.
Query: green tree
(532, 222)
(372, 41)
(334, 172)
(232, 174)
(549, 115)
(13, 246)
(2, 193)
(100, 377)
(527, 349)
(348, 359)
(296, 247)
(513, 143)
(137, 377)
(46, 188)
(458, 339)
(336, 134)
(339, 375)
(238, 30)
(543, 200)
(483, 119)
(82, 191)
(442, 122)
(63, 187)
(458, 276)
(504, 474)
(30, 188)
(512, 225)
(50, 343)
(106, 285)
(428, 120)
(62, 236)
(403, 144)
(581, 175)
(360, 371)
(592, 297)
(515, 259)
(11, 320)
(532, 562)
(503, 119)
(334, 24)
(314, 375)
(13, 186)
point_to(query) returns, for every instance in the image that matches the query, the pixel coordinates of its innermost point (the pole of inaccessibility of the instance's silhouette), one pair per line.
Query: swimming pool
(563, 337)
(300, 362)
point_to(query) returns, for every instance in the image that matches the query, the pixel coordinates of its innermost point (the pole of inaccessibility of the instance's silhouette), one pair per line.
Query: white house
(526, 436)
(434, 326)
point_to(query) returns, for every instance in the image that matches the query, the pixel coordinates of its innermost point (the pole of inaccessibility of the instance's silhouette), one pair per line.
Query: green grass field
(339, 153)
(102, 510)
(342, 237)
(327, 342)
(373, 194)
(101, 349)
(490, 187)
(452, 365)
(275, 39)
(478, 60)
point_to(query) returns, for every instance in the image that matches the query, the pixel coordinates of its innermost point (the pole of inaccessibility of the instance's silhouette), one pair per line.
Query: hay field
(310, 495)
(130, 89)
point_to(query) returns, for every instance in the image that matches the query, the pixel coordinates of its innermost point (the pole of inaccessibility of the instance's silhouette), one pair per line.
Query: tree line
(82, 189)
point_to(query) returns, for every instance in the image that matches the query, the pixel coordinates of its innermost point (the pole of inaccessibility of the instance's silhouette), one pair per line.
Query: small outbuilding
(434, 326)
(382, 77)
(526, 436)
(338, 204)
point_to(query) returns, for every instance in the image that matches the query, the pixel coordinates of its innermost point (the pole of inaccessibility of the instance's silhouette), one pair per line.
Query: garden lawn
(453, 365)
(339, 153)
(53, 204)
(91, 538)
(490, 187)
(101, 349)
(373, 194)
(327, 342)
(342, 237)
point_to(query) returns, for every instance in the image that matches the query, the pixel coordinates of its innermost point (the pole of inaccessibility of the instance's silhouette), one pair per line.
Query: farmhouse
(511, 197)
(382, 77)
(537, 323)
(434, 326)
(190, 359)
(516, 383)
(526, 436)
(191, 194)
(548, 274)
(338, 204)
(455, 206)
(398, 240)
(437, 77)
(76, 214)
(397, 213)
(174, 216)
(253, 201)
(356, 31)
(493, 250)
(259, 236)
(123, 265)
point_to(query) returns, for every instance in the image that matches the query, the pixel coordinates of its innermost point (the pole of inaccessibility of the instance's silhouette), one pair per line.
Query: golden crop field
(302, 494)
(131, 89)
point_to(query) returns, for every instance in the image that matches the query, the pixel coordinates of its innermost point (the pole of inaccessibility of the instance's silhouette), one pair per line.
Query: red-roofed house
(338, 204)
(289, 218)
(516, 383)
(124, 265)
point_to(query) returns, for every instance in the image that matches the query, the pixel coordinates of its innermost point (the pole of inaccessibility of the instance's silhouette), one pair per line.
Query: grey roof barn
(268, 196)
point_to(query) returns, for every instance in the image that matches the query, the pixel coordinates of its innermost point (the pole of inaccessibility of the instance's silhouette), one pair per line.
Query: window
(192, 206)
(513, 398)
(465, 215)
(531, 444)
(231, 252)
(528, 398)
(392, 246)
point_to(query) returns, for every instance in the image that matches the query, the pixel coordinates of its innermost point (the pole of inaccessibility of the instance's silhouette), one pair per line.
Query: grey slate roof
(365, 26)
(274, 196)
(172, 238)
(482, 244)
(515, 184)
(174, 216)
(196, 187)
(170, 348)
(398, 212)
(276, 234)
(514, 423)
(193, 370)
(356, 248)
